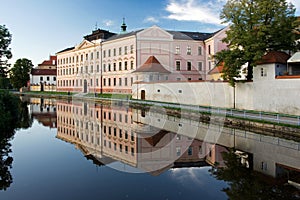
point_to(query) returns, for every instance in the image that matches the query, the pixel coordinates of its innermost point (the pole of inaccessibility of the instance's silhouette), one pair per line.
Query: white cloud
(192, 10)
(151, 20)
(108, 22)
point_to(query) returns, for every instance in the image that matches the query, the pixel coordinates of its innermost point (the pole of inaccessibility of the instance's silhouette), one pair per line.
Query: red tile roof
(42, 72)
(49, 62)
(274, 57)
(152, 65)
(217, 69)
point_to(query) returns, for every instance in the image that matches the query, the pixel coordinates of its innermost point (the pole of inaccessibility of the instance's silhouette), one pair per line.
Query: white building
(105, 62)
(43, 77)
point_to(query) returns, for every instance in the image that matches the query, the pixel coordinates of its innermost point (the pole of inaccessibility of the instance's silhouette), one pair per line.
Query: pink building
(105, 62)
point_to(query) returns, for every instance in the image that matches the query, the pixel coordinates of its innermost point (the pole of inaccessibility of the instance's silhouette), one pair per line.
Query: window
(109, 67)
(98, 68)
(177, 50)
(190, 151)
(86, 56)
(109, 82)
(104, 82)
(125, 80)
(151, 77)
(115, 81)
(209, 49)
(189, 51)
(131, 64)
(263, 72)
(104, 54)
(120, 51)
(109, 53)
(131, 81)
(189, 66)
(199, 51)
(115, 66)
(92, 56)
(120, 66)
(92, 68)
(178, 151)
(41, 78)
(54, 78)
(81, 58)
(125, 49)
(131, 49)
(125, 65)
(97, 54)
(120, 81)
(178, 65)
(48, 78)
(200, 66)
(115, 52)
(104, 67)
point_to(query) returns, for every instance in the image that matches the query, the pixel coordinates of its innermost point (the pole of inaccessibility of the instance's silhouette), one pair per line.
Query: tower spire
(124, 26)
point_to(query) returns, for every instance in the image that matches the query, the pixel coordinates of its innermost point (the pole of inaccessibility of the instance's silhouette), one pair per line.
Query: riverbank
(275, 124)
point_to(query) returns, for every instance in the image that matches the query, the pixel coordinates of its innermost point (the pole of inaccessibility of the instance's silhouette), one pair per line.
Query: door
(143, 94)
(85, 86)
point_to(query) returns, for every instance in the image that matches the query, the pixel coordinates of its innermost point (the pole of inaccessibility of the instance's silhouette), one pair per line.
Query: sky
(41, 28)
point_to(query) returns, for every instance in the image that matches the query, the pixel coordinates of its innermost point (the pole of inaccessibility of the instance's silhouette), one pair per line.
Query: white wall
(217, 94)
(278, 95)
(36, 79)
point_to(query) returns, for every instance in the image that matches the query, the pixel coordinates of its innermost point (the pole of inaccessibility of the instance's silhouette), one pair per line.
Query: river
(87, 150)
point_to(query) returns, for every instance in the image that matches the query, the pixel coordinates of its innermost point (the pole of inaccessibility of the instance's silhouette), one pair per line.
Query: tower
(124, 26)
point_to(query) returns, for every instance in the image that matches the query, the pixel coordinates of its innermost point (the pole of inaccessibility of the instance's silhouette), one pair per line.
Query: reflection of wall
(267, 150)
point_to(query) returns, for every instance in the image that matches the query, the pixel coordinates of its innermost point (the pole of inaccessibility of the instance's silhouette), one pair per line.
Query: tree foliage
(256, 27)
(5, 52)
(14, 114)
(244, 183)
(20, 73)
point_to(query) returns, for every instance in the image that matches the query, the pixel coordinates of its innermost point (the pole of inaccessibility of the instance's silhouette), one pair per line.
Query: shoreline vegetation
(266, 126)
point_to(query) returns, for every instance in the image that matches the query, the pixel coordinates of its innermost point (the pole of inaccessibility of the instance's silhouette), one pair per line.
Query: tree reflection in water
(14, 114)
(247, 184)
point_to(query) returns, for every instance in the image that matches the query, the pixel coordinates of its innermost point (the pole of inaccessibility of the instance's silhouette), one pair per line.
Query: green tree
(244, 183)
(20, 73)
(5, 54)
(256, 27)
(14, 114)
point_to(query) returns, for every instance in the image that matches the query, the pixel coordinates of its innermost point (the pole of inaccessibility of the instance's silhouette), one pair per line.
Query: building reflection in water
(44, 110)
(153, 142)
(109, 133)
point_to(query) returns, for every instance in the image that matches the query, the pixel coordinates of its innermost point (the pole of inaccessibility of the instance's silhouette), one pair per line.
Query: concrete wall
(277, 95)
(218, 94)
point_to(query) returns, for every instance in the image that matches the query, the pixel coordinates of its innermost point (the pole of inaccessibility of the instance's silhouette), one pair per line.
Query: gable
(154, 33)
(85, 44)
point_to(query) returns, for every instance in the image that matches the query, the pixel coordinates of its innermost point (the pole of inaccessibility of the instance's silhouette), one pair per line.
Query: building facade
(105, 62)
(43, 77)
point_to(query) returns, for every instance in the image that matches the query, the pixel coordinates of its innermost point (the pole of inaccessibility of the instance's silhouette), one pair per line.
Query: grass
(48, 93)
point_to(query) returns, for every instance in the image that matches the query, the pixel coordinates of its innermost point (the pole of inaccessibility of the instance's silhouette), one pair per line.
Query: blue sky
(43, 27)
